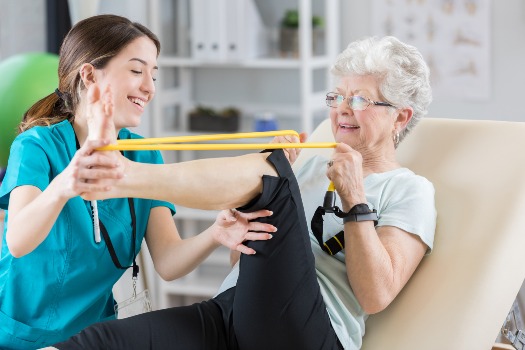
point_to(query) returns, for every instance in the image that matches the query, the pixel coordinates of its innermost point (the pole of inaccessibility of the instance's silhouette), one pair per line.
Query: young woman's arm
(32, 212)
(174, 257)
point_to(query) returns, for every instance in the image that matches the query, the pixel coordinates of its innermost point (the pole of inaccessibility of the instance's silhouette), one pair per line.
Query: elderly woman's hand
(88, 171)
(290, 153)
(345, 170)
(232, 228)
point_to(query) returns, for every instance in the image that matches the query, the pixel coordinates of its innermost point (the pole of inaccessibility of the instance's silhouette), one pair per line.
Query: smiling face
(131, 75)
(367, 131)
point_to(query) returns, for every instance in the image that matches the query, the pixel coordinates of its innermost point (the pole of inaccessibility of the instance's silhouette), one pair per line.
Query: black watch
(360, 212)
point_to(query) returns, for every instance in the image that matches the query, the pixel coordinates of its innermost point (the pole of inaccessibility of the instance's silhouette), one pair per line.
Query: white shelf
(220, 257)
(205, 287)
(184, 213)
(287, 87)
(263, 63)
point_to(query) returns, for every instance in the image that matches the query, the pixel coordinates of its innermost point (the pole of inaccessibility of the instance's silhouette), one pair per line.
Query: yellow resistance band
(172, 143)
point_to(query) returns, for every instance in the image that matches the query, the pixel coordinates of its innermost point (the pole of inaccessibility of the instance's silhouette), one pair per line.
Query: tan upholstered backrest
(461, 293)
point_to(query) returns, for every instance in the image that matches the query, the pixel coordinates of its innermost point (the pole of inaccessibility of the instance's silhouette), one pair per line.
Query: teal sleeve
(28, 164)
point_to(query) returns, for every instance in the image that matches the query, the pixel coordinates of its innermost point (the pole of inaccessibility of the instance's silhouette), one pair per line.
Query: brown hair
(93, 40)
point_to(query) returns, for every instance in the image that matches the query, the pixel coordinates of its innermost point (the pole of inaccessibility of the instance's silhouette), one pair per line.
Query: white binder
(246, 34)
(216, 17)
(199, 29)
(227, 30)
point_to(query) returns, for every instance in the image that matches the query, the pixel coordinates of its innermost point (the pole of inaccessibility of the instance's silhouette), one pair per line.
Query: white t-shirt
(401, 198)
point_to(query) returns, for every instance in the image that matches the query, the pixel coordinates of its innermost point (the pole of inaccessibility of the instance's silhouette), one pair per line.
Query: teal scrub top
(66, 283)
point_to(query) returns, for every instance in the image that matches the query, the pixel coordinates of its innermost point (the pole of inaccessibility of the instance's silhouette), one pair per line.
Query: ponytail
(50, 110)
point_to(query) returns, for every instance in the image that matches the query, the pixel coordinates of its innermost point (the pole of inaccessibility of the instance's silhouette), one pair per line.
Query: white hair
(403, 73)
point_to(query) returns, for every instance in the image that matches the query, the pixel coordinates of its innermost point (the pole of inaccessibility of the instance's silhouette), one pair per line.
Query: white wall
(22, 27)
(508, 57)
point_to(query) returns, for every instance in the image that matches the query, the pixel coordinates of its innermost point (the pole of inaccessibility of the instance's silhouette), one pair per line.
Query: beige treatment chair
(461, 294)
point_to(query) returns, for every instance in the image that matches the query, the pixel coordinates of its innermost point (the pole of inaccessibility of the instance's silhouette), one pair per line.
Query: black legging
(277, 303)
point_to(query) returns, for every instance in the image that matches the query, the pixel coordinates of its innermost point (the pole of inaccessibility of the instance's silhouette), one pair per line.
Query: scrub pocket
(18, 335)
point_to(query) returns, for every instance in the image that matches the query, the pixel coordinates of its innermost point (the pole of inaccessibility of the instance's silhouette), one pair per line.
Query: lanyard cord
(107, 239)
(337, 243)
(333, 245)
(111, 250)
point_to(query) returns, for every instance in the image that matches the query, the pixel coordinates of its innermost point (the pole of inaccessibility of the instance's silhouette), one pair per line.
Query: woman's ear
(403, 117)
(87, 74)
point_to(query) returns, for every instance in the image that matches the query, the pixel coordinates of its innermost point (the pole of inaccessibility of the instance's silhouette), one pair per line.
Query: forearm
(216, 183)
(380, 261)
(183, 256)
(31, 220)
(369, 267)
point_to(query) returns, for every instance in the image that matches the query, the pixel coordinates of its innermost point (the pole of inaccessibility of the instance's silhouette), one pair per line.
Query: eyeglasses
(355, 102)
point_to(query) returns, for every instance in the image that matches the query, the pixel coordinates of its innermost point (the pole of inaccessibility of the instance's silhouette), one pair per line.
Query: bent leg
(196, 327)
(278, 302)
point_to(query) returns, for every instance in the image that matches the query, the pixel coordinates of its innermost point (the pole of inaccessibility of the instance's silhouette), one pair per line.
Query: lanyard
(107, 239)
(111, 249)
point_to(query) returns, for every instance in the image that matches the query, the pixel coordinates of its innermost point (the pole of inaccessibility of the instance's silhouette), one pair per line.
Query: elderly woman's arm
(378, 262)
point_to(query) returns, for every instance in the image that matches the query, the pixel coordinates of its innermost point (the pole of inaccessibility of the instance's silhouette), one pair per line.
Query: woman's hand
(232, 228)
(88, 171)
(345, 170)
(291, 153)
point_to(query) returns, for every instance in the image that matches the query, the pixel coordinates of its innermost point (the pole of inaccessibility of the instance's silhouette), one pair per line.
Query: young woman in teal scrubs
(56, 276)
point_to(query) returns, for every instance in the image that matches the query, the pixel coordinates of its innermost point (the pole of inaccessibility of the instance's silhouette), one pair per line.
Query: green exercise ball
(24, 79)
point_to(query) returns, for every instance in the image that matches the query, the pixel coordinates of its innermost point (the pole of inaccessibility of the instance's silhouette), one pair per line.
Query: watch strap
(359, 212)
(371, 216)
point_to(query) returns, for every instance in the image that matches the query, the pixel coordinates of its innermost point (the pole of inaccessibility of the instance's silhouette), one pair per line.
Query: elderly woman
(295, 294)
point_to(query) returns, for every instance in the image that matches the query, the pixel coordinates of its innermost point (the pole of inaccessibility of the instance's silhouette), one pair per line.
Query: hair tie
(59, 94)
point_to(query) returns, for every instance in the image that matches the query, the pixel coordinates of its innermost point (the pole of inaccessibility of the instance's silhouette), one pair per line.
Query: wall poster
(452, 35)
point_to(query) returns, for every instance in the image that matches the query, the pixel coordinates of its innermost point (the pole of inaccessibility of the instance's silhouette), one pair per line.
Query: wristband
(360, 212)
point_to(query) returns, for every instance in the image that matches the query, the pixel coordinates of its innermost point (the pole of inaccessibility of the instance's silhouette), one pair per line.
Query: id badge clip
(138, 303)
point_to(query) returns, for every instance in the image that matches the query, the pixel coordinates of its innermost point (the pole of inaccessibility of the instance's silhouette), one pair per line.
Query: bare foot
(101, 127)
(100, 114)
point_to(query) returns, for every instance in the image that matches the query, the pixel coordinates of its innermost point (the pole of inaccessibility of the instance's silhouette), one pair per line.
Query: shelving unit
(292, 88)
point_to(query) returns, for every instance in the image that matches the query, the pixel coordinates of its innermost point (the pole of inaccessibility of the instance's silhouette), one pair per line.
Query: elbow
(168, 274)
(15, 253)
(165, 275)
(16, 246)
(373, 308)
(375, 304)
(15, 250)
